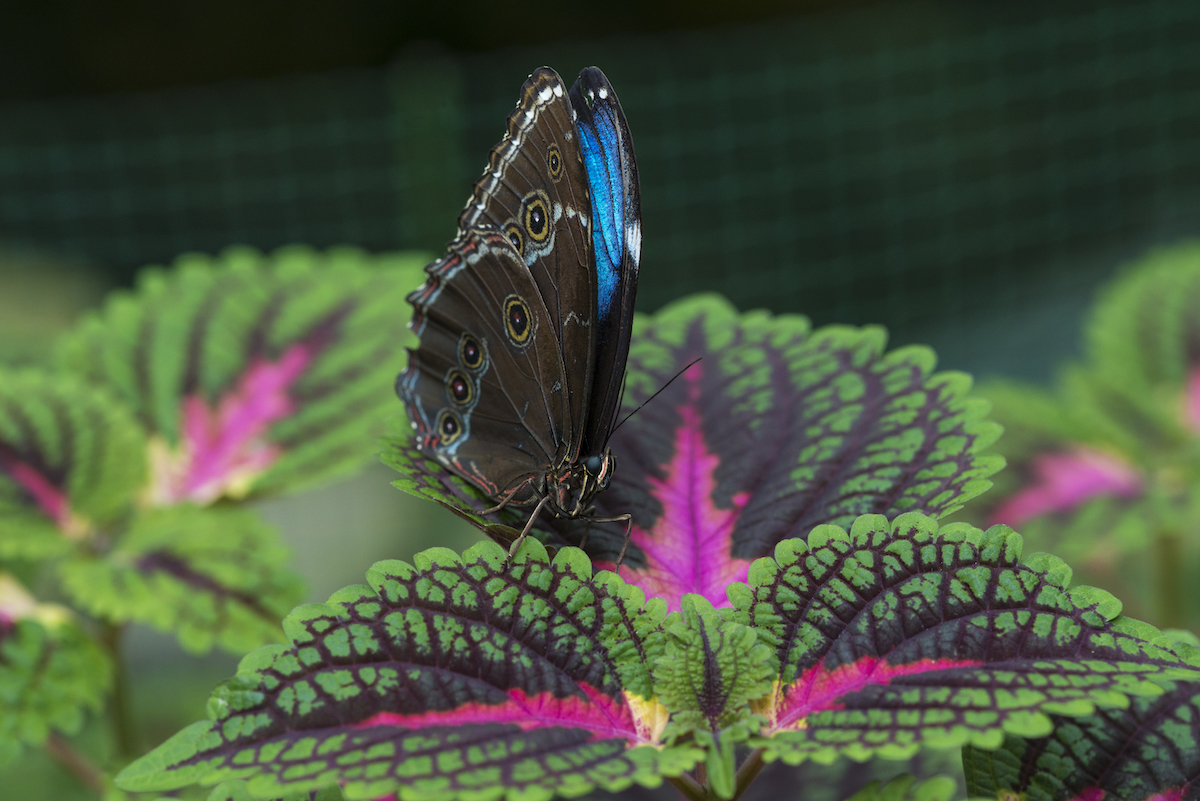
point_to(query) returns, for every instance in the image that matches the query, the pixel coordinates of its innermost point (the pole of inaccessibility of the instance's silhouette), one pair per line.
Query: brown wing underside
(524, 235)
(561, 264)
(509, 430)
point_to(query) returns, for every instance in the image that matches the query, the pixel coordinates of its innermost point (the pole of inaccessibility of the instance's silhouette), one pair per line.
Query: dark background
(56, 49)
(964, 173)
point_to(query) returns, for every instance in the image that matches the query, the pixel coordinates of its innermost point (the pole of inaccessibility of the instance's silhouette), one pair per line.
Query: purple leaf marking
(50, 499)
(818, 688)
(226, 448)
(603, 716)
(688, 549)
(1098, 794)
(1065, 480)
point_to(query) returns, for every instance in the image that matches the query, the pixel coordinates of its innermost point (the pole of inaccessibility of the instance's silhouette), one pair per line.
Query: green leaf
(1149, 750)
(237, 791)
(903, 634)
(844, 778)
(1144, 334)
(71, 459)
(450, 677)
(711, 669)
(209, 576)
(254, 373)
(51, 672)
(797, 427)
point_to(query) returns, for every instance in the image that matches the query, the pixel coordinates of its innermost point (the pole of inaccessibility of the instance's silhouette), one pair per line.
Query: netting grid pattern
(871, 165)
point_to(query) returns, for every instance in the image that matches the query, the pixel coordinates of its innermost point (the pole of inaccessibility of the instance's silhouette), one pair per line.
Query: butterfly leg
(627, 519)
(625, 546)
(503, 502)
(537, 510)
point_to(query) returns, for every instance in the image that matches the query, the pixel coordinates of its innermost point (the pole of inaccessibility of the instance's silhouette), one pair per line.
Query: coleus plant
(122, 469)
(1105, 468)
(789, 596)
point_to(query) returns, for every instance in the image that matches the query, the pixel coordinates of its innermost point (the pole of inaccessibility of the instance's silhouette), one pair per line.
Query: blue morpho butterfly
(525, 322)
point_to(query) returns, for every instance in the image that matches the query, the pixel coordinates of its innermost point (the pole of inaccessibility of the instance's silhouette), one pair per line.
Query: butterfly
(524, 323)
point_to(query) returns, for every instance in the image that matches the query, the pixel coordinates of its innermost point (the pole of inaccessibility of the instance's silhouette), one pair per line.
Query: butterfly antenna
(658, 392)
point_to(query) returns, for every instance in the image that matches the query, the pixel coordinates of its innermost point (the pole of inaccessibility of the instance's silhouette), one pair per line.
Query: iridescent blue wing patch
(612, 178)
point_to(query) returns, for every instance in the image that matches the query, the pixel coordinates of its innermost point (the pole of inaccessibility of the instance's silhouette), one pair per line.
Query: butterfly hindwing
(523, 250)
(481, 388)
(537, 172)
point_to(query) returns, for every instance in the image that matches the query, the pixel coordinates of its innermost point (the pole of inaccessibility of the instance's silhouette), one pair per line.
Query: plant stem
(79, 765)
(747, 771)
(691, 788)
(1169, 553)
(122, 723)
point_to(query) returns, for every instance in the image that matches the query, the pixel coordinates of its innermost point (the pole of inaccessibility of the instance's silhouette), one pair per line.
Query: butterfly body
(525, 321)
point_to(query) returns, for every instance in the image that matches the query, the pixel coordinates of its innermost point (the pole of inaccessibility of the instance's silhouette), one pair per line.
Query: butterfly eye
(554, 162)
(513, 232)
(537, 217)
(470, 354)
(449, 427)
(517, 320)
(459, 388)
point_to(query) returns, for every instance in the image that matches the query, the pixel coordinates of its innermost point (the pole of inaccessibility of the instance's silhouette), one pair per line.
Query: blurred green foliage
(41, 294)
(57, 427)
(1104, 466)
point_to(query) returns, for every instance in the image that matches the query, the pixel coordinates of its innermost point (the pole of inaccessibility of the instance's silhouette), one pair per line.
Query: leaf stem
(1169, 553)
(82, 768)
(747, 771)
(690, 788)
(112, 635)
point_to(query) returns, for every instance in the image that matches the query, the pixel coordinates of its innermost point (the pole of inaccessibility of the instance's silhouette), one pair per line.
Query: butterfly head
(577, 484)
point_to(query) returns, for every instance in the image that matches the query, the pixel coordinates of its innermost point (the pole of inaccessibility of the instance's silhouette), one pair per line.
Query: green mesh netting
(921, 165)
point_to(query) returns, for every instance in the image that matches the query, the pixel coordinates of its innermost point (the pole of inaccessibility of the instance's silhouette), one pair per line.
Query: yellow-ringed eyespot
(449, 427)
(459, 388)
(554, 162)
(470, 353)
(518, 322)
(537, 215)
(513, 232)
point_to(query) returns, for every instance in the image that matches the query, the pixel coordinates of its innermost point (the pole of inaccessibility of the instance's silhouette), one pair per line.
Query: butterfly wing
(484, 390)
(498, 387)
(616, 244)
(523, 181)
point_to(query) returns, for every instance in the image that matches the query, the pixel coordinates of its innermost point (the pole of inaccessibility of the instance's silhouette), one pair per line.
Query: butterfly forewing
(611, 170)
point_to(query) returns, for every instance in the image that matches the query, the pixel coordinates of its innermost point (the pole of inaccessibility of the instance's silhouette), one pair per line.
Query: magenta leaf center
(688, 550)
(225, 448)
